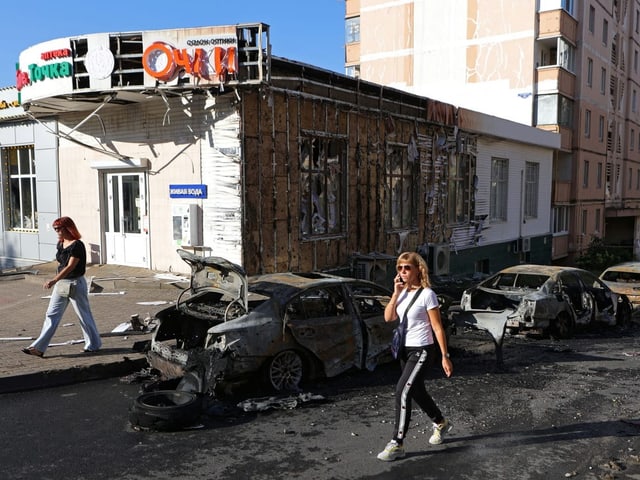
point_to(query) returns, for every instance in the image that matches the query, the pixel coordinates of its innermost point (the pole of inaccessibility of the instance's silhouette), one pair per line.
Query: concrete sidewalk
(117, 293)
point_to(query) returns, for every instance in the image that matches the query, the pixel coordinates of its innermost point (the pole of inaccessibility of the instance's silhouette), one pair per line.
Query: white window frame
(499, 189)
(19, 166)
(531, 188)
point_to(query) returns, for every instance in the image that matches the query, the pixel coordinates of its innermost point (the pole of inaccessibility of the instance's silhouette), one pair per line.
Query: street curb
(114, 284)
(69, 376)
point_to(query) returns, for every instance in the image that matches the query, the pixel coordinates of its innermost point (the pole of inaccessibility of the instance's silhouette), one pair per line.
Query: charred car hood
(218, 275)
(631, 290)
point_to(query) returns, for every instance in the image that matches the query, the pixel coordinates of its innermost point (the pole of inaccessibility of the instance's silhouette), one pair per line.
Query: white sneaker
(392, 451)
(439, 430)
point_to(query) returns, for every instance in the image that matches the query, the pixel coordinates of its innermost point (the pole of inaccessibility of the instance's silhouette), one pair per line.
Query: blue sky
(305, 31)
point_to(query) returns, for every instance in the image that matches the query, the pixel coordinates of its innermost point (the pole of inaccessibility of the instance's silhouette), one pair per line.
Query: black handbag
(400, 332)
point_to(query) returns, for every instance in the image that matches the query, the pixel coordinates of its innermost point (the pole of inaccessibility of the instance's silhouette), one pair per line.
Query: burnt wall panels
(252, 171)
(221, 171)
(283, 193)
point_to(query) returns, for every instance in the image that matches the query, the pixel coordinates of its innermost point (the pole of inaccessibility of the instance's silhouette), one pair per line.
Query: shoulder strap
(406, 312)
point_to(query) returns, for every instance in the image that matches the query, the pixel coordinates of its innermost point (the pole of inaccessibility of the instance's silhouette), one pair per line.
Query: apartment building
(559, 65)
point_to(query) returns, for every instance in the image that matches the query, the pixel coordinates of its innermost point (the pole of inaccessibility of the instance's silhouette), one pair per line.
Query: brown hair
(67, 224)
(417, 261)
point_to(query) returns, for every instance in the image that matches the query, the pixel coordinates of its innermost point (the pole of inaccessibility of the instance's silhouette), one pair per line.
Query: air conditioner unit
(376, 268)
(526, 244)
(439, 259)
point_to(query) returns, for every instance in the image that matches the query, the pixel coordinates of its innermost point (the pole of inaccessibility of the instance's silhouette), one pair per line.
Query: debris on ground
(266, 403)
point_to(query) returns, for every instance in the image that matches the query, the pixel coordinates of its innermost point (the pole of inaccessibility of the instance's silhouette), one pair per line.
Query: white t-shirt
(419, 331)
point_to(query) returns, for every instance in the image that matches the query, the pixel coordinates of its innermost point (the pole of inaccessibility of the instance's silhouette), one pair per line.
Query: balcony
(566, 135)
(555, 23)
(554, 79)
(561, 192)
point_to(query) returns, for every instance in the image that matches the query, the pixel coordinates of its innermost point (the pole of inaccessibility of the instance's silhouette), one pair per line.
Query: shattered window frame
(459, 189)
(322, 186)
(20, 199)
(401, 207)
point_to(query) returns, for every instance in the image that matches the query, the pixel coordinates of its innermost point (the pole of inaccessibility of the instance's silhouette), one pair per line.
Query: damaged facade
(275, 165)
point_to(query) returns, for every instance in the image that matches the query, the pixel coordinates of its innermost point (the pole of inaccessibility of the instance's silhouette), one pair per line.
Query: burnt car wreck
(277, 329)
(546, 299)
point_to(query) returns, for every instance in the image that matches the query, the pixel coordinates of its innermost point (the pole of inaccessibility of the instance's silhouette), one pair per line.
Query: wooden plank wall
(273, 121)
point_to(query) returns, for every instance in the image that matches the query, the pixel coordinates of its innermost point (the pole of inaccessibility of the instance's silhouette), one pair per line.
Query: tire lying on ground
(165, 410)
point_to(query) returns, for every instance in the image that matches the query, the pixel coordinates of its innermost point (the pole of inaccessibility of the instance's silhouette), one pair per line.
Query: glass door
(127, 241)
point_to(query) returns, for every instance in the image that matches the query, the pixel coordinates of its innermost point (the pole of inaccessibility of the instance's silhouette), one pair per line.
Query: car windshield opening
(622, 277)
(530, 281)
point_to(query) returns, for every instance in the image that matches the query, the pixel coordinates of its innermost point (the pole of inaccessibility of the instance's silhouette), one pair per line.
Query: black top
(77, 250)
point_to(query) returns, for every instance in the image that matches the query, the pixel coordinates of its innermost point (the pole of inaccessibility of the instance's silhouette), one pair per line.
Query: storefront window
(20, 191)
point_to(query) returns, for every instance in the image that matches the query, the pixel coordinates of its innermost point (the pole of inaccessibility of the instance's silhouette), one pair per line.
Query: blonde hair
(417, 261)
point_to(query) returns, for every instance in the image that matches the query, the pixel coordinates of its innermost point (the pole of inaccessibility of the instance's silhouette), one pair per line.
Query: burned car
(279, 329)
(548, 299)
(624, 279)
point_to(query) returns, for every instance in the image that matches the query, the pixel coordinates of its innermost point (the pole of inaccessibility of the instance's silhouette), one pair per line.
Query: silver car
(277, 329)
(547, 299)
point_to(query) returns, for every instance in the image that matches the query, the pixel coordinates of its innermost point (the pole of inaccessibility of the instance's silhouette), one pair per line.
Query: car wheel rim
(285, 372)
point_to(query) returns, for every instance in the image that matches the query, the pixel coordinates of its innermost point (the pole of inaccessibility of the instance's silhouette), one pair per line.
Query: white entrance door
(127, 239)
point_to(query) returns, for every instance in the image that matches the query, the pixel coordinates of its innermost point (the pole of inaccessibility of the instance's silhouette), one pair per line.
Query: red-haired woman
(70, 286)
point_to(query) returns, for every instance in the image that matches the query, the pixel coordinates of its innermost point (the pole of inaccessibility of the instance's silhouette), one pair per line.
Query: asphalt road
(566, 409)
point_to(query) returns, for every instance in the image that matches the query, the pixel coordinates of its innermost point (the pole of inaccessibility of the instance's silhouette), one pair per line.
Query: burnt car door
(369, 301)
(600, 294)
(320, 321)
(579, 299)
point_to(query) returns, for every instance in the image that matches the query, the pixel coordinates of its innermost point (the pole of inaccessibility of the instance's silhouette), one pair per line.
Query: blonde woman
(424, 327)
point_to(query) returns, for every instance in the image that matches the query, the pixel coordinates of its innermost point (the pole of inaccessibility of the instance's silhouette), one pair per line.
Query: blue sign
(188, 191)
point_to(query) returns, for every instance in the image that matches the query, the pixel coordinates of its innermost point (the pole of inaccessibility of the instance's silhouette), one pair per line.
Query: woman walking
(422, 322)
(69, 286)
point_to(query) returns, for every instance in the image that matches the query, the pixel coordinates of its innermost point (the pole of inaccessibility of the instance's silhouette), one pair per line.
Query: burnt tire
(165, 410)
(562, 326)
(285, 371)
(623, 315)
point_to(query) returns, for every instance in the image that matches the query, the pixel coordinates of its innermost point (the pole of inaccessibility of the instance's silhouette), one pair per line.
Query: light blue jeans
(57, 305)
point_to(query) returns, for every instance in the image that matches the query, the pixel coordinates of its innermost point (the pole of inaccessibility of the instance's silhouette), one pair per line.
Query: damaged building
(201, 139)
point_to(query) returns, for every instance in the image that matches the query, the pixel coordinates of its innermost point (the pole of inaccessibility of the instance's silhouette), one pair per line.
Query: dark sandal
(33, 351)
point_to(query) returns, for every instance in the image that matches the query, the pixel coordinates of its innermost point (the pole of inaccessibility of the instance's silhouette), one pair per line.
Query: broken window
(402, 184)
(322, 185)
(19, 167)
(317, 303)
(458, 194)
(370, 301)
